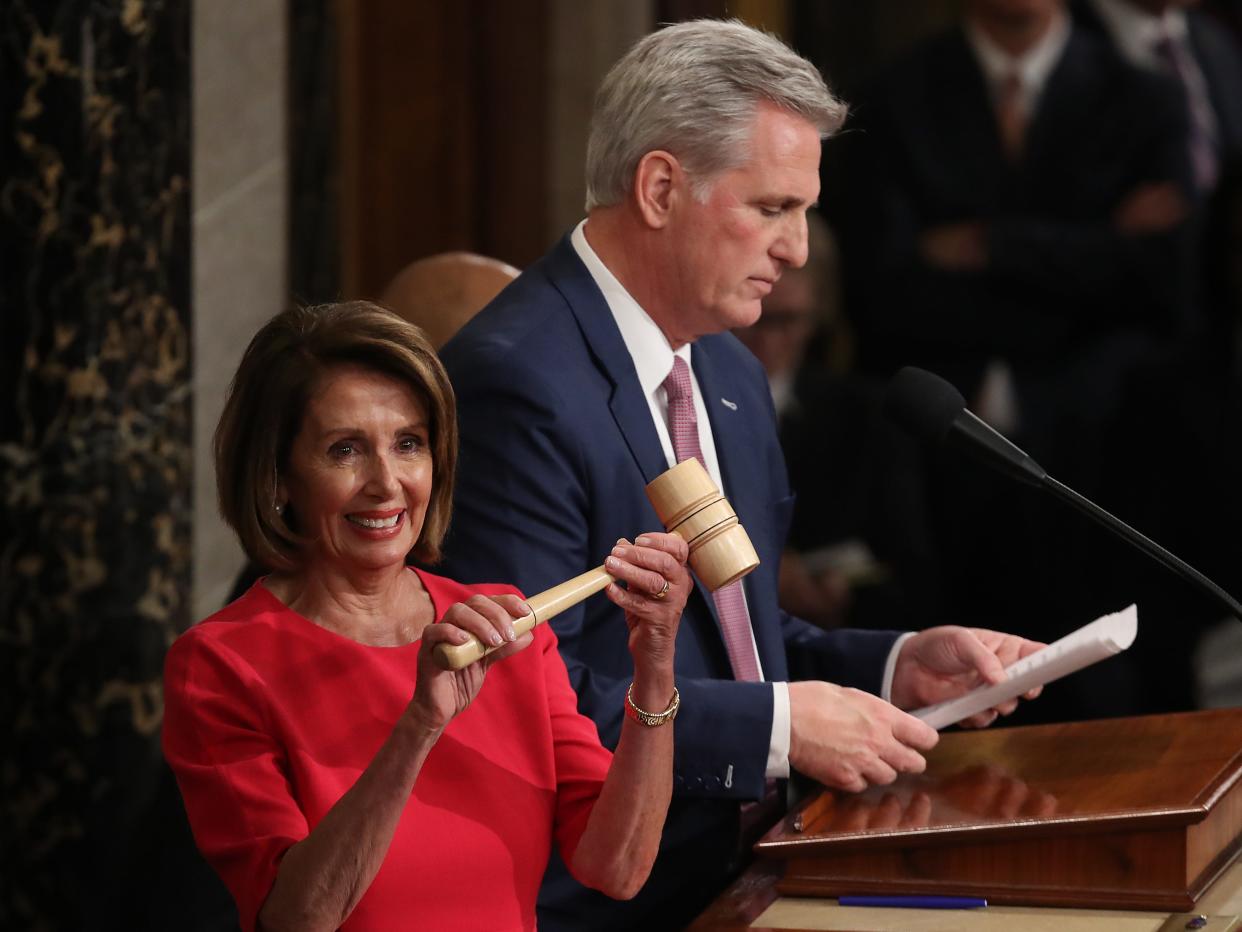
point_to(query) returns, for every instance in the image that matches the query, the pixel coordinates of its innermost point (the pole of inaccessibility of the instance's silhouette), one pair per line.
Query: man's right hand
(849, 739)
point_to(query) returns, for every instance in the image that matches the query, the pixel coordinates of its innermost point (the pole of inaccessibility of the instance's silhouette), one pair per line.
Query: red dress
(270, 719)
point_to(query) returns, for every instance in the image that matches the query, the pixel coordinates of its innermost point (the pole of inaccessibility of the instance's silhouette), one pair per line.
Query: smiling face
(734, 243)
(359, 474)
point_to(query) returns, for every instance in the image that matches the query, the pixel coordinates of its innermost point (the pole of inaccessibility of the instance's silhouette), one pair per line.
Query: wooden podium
(1133, 814)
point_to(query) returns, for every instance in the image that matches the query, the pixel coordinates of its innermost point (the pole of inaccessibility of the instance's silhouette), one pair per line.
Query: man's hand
(1150, 208)
(945, 662)
(850, 739)
(956, 247)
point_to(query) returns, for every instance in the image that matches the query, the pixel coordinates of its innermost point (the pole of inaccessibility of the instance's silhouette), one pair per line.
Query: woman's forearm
(322, 878)
(622, 837)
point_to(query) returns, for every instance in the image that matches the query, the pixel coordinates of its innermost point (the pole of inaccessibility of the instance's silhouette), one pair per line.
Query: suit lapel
(971, 107)
(629, 407)
(626, 402)
(727, 419)
(742, 472)
(1069, 84)
(632, 415)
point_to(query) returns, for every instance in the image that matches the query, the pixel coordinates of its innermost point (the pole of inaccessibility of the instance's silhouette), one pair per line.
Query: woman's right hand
(657, 585)
(440, 695)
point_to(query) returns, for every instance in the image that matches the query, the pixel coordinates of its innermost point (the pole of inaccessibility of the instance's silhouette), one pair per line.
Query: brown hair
(267, 400)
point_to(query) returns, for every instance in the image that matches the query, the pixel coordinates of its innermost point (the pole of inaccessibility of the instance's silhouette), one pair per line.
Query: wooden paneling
(442, 123)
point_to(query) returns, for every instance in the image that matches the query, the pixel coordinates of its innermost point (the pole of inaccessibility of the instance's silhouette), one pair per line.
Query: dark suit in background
(1068, 300)
(1062, 288)
(860, 483)
(1217, 54)
(1179, 429)
(557, 445)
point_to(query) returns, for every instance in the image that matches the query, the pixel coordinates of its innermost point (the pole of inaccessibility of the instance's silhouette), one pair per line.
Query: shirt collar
(1033, 66)
(1136, 31)
(649, 348)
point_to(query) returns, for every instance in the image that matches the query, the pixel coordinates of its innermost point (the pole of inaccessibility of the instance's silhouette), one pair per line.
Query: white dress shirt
(653, 360)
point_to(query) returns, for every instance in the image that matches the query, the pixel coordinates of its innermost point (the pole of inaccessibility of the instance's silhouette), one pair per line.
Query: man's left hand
(945, 662)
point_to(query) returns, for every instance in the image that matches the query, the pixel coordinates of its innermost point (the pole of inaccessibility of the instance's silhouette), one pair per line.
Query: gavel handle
(543, 606)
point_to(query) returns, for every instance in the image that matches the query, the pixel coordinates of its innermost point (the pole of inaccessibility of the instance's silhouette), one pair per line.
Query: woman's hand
(622, 836)
(441, 695)
(657, 585)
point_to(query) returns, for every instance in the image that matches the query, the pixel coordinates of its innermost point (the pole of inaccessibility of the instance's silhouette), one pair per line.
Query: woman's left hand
(657, 585)
(440, 695)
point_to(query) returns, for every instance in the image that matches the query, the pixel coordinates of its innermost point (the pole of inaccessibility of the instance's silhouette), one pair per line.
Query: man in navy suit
(702, 161)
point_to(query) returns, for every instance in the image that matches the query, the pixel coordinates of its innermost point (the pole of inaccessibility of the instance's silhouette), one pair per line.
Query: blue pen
(916, 902)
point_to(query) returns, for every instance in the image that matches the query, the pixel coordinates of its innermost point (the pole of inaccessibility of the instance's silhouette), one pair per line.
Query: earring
(278, 507)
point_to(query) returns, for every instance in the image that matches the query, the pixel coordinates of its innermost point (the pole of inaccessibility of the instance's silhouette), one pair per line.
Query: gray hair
(692, 89)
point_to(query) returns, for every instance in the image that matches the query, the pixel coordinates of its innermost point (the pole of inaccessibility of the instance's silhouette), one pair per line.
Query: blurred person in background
(859, 548)
(1013, 216)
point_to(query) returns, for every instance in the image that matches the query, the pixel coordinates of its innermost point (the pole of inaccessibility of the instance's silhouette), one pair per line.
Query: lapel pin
(731, 405)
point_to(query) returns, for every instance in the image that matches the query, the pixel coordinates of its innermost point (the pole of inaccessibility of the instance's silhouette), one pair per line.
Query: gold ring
(663, 592)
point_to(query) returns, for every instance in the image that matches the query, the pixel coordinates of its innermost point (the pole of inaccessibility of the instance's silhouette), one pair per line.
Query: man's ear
(657, 182)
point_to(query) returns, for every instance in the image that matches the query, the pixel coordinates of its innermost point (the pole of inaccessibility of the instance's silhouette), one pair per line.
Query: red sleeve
(582, 762)
(230, 768)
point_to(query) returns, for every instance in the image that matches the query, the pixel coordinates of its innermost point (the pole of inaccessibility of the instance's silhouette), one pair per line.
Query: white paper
(1102, 638)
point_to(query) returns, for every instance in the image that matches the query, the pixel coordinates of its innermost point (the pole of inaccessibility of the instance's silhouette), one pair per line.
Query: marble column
(240, 232)
(95, 436)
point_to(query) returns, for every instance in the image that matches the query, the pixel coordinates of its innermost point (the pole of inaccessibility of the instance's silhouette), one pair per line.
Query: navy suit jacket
(557, 446)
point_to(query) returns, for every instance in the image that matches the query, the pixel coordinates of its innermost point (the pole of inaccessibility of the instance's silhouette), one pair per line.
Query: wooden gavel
(689, 505)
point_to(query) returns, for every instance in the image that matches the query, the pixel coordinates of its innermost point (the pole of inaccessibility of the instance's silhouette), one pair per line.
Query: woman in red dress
(333, 774)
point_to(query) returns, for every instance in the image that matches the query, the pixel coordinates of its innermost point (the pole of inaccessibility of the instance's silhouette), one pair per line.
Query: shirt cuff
(886, 689)
(778, 749)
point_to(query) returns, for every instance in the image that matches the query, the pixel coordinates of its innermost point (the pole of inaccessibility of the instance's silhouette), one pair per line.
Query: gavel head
(690, 506)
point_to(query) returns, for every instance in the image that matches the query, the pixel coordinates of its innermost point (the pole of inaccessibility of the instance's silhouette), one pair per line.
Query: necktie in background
(683, 426)
(1203, 160)
(1011, 116)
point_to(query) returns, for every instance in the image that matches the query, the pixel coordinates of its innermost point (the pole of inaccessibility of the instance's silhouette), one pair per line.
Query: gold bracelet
(651, 719)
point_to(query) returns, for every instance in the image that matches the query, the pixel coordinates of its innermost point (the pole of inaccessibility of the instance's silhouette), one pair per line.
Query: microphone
(935, 412)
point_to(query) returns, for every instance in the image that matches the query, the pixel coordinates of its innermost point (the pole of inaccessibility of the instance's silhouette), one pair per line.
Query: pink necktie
(1203, 158)
(683, 425)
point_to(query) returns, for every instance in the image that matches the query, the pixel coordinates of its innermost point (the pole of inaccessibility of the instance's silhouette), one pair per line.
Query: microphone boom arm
(1141, 542)
(934, 411)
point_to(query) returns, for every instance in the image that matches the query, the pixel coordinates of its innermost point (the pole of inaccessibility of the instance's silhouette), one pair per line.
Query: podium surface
(1125, 814)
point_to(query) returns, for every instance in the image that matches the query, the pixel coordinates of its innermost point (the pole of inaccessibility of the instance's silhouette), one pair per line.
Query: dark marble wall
(95, 454)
